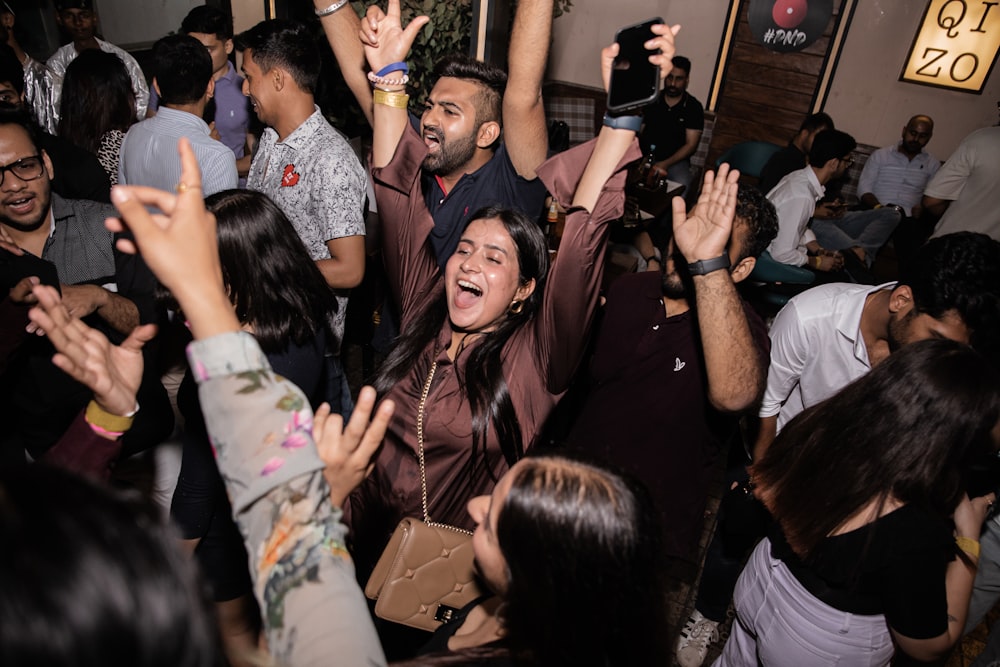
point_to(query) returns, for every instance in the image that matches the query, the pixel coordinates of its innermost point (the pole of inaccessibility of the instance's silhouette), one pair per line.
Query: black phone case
(635, 82)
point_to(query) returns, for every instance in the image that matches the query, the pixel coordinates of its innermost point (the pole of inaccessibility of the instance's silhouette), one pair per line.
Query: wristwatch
(633, 123)
(703, 266)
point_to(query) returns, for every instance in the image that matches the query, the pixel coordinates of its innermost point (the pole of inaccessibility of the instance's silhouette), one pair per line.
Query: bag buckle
(445, 613)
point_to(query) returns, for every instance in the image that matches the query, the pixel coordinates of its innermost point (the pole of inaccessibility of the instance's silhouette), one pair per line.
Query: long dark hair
(271, 280)
(584, 567)
(93, 578)
(482, 379)
(97, 97)
(909, 430)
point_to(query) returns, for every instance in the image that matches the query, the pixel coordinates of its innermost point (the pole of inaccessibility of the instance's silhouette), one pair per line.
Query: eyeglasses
(27, 168)
(849, 160)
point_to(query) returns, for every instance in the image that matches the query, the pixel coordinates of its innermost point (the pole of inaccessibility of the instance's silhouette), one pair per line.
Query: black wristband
(652, 258)
(633, 123)
(703, 266)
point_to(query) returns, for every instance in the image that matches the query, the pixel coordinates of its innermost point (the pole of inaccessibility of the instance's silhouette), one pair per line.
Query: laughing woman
(491, 343)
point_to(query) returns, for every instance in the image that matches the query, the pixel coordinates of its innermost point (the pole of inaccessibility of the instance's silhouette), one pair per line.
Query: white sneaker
(692, 645)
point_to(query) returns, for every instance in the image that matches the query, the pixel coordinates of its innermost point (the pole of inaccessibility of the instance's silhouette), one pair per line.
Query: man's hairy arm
(342, 28)
(525, 134)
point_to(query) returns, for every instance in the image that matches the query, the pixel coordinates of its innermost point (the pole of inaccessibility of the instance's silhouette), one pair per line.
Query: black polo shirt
(666, 126)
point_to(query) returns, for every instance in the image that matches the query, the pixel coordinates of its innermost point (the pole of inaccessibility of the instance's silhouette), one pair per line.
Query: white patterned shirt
(316, 179)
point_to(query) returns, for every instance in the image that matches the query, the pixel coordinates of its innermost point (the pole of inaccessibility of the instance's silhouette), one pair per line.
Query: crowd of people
(138, 220)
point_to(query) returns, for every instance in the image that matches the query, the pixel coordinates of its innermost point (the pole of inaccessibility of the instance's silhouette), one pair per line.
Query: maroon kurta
(539, 359)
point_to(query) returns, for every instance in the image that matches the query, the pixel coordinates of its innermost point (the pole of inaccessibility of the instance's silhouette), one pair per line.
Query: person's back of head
(830, 145)
(96, 97)
(285, 44)
(759, 221)
(958, 272)
(267, 271)
(574, 535)
(182, 69)
(491, 81)
(908, 430)
(208, 20)
(90, 579)
(17, 116)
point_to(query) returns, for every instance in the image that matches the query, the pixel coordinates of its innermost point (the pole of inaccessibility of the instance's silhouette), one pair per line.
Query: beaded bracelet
(394, 67)
(377, 80)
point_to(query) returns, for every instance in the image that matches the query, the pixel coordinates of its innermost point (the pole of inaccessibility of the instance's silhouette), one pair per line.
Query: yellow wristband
(395, 100)
(968, 545)
(104, 420)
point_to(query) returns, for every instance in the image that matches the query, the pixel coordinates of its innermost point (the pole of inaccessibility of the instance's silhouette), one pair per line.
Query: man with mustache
(468, 165)
(674, 124)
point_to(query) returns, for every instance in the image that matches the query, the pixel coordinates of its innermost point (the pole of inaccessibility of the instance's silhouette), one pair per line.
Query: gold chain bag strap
(426, 572)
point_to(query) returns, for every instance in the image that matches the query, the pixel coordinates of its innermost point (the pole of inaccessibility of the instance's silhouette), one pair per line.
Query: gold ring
(183, 187)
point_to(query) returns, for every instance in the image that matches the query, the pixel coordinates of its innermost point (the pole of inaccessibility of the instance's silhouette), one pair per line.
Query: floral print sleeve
(260, 427)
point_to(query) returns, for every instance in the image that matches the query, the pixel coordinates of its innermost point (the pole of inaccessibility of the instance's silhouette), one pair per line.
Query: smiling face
(483, 277)
(258, 87)
(218, 51)
(449, 125)
(24, 205)
(485, 511)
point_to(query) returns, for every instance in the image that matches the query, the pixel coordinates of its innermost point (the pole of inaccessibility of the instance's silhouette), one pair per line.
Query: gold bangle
(968, 545)
(102, 419)
(395, 100)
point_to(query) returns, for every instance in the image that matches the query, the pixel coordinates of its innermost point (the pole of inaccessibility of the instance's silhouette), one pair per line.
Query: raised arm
(525, 133)
(261, 429)
(734, 365)
(386, 42)
(592, 198)
(342, 28)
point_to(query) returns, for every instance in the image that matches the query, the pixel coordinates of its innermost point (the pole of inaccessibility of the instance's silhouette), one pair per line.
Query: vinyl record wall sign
(789, 25)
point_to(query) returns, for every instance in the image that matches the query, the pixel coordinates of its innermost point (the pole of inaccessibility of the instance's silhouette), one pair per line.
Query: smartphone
(635, 82)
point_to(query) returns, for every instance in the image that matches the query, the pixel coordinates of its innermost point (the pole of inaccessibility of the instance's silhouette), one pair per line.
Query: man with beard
(302, 163)
(678, 354)
(110, 290)
(673, 124)
(466, 164)
(827, 337)
(897, 175)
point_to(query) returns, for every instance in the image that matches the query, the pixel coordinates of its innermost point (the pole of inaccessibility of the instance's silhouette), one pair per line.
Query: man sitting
(793, 156)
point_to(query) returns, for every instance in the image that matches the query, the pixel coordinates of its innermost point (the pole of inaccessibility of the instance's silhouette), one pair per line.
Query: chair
(775, 283)
(749, 157)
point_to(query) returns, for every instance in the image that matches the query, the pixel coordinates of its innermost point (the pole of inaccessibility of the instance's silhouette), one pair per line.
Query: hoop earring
(516, 307)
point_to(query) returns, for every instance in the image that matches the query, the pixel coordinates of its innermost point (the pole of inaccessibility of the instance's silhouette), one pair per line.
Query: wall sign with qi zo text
(956, 45)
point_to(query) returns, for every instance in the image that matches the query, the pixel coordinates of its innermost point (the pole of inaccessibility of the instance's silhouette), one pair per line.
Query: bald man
(897, 175)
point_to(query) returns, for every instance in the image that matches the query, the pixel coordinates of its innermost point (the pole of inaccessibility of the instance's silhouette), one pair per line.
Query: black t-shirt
(782, 163)
(893, 566)
(667, 126)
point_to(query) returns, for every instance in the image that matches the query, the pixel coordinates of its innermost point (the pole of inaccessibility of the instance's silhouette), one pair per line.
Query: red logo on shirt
(290, 177)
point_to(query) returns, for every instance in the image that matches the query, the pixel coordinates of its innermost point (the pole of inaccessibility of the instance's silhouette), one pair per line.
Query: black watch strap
(703, 266)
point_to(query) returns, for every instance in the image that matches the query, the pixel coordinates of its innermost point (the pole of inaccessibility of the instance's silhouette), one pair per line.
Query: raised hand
(348, 452)
(664, 41)
(112, 372)
(179, 245)
(704, 233)
(384, 38)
